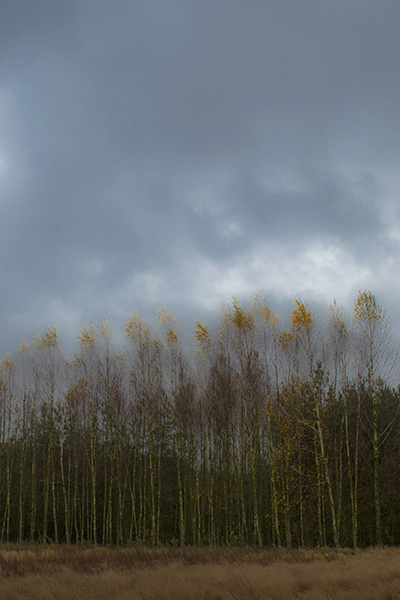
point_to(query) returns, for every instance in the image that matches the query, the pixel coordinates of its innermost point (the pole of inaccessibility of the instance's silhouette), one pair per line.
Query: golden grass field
(35, 572)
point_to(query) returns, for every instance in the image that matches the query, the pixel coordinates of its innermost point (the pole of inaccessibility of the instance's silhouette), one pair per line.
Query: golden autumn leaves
(257, 320)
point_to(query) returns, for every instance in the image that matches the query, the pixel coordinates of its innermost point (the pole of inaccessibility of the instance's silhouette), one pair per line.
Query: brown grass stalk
(34, 572)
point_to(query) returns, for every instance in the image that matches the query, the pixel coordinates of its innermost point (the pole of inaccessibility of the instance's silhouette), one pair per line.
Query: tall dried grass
(32, 572)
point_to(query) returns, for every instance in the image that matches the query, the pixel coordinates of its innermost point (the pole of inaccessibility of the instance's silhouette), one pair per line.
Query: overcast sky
(176, 152)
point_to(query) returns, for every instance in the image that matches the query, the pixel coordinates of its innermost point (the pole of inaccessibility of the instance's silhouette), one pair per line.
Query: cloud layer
(174, 152)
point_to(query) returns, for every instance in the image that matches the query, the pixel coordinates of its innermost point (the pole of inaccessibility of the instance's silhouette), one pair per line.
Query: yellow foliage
(171, 335)
(201, 334)
(6, 364)
(23, 346)
(37, 340)
(137, 330)
(286, 339)
(234, 314)
(105, 328)
(260, 308)
(121, 358)
(301, 317)
(165, 317)
(168, 323)
(366, 308)
(50, 339)
(87, 337)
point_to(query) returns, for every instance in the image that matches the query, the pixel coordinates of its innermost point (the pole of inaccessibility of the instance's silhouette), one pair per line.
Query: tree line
(260, 433)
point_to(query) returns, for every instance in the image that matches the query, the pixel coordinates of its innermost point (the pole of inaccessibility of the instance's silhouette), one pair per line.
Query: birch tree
(377, 359)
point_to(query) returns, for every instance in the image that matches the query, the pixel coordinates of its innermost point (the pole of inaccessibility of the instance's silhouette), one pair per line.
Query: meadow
(39, 572)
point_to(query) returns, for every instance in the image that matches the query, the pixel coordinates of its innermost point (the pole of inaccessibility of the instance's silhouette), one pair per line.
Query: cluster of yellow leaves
(6, 365)
(50, 339)
(366, 308)
(137, 330)
(169, 325)
(235, 314)
(104, 328)
(201, 334)
(261, 308)
(301, 317)
(286, 339)
(24, 346)
(171, 336)
(87, 338)
(121, 359)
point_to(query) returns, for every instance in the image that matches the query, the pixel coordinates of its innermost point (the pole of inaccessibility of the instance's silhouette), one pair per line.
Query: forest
(258, 431)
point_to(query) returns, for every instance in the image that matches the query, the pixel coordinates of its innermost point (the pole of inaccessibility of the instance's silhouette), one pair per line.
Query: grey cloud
(121, 114)
(332, 207)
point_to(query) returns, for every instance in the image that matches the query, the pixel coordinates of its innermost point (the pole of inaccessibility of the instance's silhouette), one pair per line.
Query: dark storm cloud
(149, 146)
(331, 207)
(24, 23)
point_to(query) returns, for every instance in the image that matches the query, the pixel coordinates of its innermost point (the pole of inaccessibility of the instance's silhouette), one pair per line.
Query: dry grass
(33, 572)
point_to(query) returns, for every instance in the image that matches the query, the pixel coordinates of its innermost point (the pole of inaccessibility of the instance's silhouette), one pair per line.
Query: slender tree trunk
(33, 485)
(324, 459)
(376, 470)
(276, 534)
(21, 489)
(65, 494)
(93, 475)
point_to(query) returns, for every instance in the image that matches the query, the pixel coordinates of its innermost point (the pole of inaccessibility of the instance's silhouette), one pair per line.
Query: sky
(174, 153)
